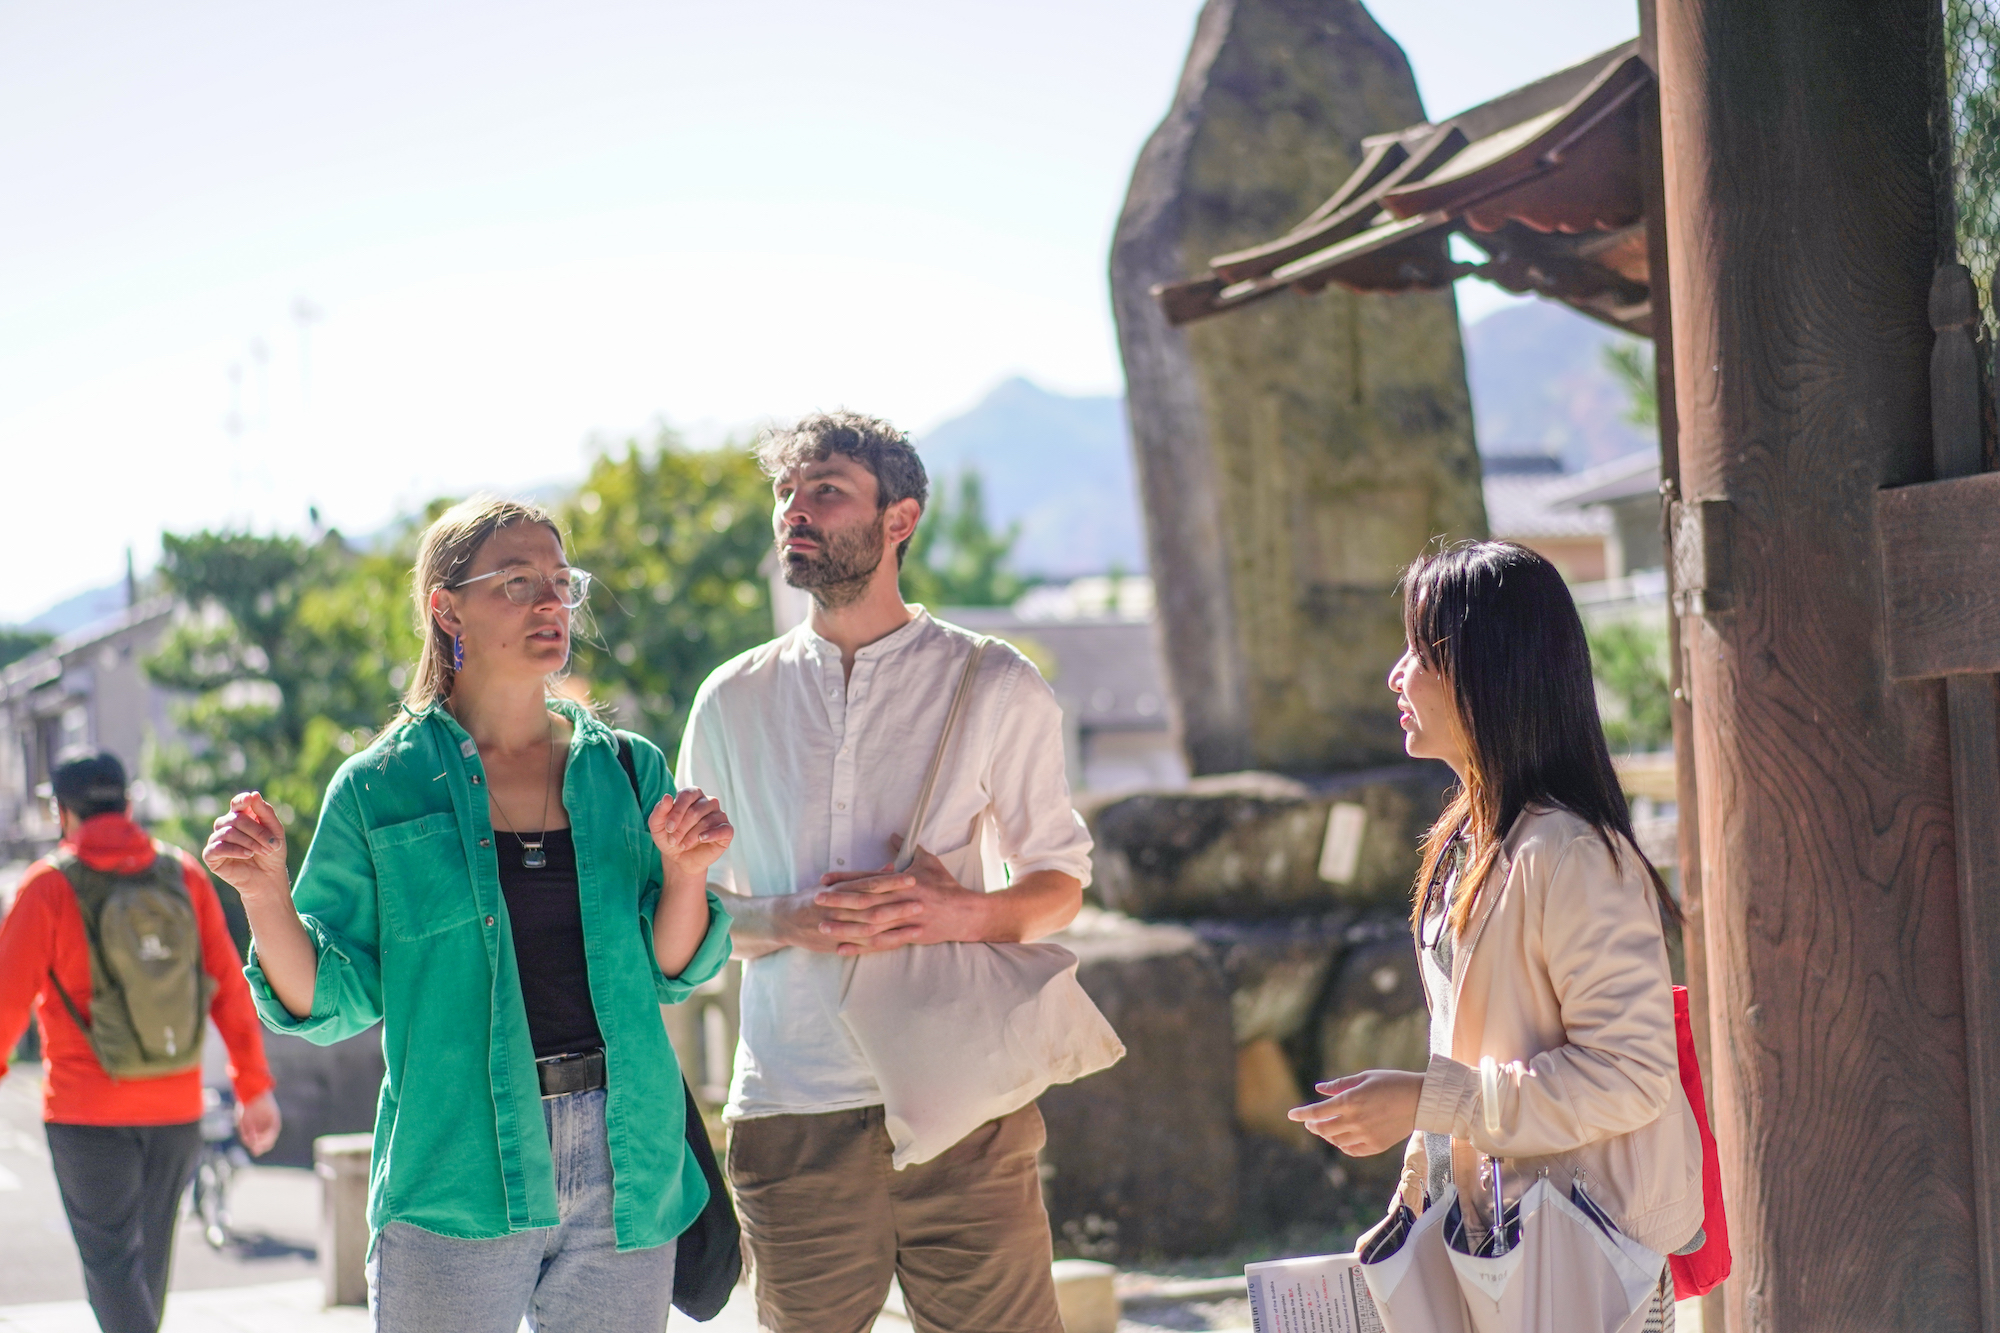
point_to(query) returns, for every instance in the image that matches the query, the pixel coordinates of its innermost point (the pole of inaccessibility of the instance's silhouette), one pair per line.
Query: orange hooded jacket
(44, 931)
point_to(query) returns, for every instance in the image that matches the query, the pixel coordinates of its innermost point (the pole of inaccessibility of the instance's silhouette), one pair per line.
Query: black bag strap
(709, 1255)
(631, 771)
(708, 1259)
(66, 861)
(69, 1004)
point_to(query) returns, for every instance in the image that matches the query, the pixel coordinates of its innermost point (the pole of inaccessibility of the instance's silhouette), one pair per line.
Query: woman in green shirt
(485, 885)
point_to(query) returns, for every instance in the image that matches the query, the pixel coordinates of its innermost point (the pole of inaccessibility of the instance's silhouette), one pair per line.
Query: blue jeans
(568, 1278)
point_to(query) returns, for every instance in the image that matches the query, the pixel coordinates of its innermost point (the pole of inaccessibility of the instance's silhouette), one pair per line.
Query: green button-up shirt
(400, 893)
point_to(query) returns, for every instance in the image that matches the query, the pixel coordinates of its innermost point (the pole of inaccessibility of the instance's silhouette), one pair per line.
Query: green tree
(290, 653)
(1972, 57)
(1630, 663)
(956, 558)
(1631, 363)
(674, 538)
(17, 643)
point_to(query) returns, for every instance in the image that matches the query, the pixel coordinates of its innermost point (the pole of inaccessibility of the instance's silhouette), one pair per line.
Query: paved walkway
(268, 1283)
(265, 1309)
(281, 1307)
(294, 1307)
(276, 1215)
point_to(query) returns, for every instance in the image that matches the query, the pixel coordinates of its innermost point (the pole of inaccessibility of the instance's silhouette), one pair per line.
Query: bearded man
(817, 743)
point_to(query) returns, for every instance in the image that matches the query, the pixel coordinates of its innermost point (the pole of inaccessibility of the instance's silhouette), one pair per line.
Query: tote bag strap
(708, 1257)
(908, 853)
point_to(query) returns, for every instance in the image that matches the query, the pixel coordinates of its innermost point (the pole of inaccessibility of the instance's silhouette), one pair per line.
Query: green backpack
(149, 993)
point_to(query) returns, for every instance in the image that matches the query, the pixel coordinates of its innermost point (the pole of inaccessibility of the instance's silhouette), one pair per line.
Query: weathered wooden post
(1800, 213)
(1940, 544)
(1687, 802)
(1972, 704)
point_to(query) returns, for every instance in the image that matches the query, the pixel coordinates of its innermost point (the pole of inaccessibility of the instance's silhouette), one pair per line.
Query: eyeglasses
(1449, 863)
(525, 587)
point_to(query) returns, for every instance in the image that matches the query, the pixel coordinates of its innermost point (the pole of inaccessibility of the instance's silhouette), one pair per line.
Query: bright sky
(257, 257)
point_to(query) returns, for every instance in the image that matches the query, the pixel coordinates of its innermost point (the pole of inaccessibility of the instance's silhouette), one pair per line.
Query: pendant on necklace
(533, 857)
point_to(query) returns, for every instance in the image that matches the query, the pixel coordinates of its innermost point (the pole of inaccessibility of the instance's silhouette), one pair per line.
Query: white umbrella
(1556, 1265)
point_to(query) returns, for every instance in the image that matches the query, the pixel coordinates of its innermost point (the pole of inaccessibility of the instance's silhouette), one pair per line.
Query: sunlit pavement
(270, 1308)
(282, 1307)
(266, 1281)
(275, 1214)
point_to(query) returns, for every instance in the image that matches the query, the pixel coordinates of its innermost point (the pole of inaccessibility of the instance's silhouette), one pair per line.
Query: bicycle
(222, 1155)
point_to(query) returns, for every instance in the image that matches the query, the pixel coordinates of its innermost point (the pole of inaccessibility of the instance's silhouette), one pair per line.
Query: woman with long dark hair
(1539, 924)
(512, 889)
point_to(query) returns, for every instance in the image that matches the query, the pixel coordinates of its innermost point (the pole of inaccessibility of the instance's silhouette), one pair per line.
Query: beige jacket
(1561, 977)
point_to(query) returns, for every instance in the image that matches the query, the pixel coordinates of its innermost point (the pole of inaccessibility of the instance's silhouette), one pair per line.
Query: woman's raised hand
(247, 848)
(1365, 1113)
(691, 831)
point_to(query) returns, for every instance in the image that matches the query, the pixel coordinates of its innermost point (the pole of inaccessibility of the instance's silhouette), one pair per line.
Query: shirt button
(840, 805)
(489, 920)
(486, 842)
(475, 779)
(840, 861)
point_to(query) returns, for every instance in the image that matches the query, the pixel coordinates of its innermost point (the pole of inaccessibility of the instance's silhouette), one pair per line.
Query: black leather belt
(563, 1074)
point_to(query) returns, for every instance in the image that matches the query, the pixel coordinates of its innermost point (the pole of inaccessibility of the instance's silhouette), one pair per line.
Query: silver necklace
(533, 857)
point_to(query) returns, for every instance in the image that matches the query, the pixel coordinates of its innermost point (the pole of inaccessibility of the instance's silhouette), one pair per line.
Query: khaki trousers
(827, 1221)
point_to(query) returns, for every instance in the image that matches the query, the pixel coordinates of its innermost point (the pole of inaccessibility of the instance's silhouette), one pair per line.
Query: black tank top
(547, 916)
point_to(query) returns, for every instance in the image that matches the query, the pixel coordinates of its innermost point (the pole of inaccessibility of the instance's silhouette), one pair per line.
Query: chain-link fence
(1971, 55)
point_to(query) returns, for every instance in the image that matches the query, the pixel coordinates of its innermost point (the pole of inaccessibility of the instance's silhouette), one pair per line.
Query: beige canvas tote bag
(960, 1034)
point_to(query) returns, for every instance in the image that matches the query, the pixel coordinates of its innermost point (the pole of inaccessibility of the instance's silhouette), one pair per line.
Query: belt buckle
(551, 1068)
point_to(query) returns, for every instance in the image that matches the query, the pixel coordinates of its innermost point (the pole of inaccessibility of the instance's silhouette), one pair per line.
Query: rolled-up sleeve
(337, 903)
(709, 956)
(1039, 828)
(656, 781)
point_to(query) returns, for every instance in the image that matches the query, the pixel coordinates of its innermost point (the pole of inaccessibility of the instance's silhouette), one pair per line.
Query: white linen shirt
(816, 773)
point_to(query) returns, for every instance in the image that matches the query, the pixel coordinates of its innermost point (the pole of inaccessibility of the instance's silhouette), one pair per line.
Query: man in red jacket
(123, 1148)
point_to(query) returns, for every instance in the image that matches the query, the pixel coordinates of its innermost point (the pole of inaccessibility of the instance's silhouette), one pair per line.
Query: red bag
(1698, 1273)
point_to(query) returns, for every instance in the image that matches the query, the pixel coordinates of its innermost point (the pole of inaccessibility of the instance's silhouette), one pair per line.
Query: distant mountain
(1059, 466)
(86, 608)
(1539, 385)
(1062, 467)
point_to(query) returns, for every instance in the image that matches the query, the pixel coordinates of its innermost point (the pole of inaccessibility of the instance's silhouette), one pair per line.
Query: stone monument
(1294, 455)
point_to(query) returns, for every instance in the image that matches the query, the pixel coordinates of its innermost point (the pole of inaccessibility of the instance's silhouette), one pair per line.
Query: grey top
(1436, 964)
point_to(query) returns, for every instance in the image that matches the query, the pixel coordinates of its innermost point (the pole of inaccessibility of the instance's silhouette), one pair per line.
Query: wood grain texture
(1973, 706)
(1799, 207)
(1687, 801)
(1958, 449)
(1956, 411)
(1940, 545)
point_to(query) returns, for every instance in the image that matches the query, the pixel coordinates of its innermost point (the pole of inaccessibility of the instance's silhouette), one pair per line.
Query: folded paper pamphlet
(1321, 1294)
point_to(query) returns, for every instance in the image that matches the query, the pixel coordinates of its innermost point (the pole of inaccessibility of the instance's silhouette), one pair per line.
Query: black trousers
(121, 1186)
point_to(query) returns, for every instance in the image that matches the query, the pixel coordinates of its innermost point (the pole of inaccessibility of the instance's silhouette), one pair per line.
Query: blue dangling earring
(457, 653)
